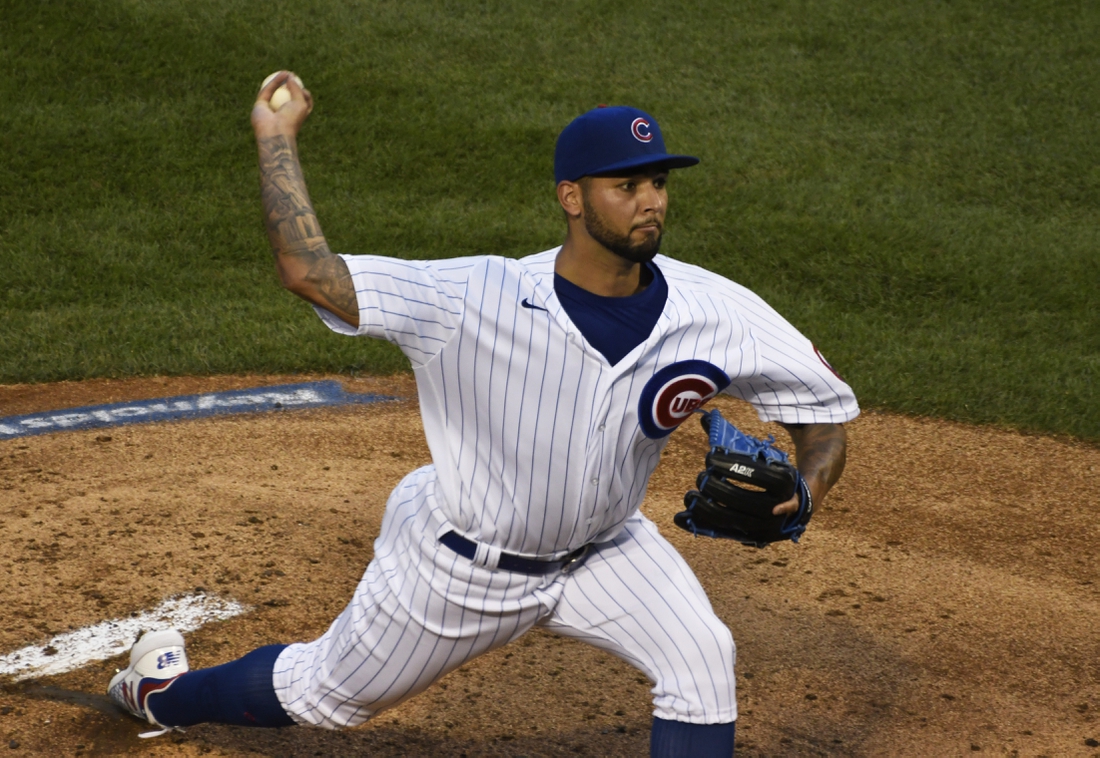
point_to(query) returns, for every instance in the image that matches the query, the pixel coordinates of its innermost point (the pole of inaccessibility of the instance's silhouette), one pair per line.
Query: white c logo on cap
(640, 129)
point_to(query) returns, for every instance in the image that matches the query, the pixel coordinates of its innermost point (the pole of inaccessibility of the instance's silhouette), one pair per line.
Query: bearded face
(636, 239)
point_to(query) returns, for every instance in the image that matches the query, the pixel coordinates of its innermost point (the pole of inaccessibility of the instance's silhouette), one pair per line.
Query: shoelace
(159, 732)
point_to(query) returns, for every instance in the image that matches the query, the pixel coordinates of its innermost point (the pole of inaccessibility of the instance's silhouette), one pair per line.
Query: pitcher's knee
(700, 688)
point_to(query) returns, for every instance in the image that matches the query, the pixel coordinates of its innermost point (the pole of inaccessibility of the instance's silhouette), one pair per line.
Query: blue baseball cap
(606, 140)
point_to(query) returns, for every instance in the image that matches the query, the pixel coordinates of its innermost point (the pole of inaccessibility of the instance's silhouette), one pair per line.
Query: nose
(652, 199)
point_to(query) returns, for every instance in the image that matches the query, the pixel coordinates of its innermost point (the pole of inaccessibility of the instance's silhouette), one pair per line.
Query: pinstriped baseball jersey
(539, 446)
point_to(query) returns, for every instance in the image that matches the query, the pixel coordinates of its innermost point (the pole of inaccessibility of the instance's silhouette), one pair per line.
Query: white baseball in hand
(282, 95)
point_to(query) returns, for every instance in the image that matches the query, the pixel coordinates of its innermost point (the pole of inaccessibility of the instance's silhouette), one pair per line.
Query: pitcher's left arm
(820, 451)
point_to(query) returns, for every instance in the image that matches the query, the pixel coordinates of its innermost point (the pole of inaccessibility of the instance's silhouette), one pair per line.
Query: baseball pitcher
(548, 387)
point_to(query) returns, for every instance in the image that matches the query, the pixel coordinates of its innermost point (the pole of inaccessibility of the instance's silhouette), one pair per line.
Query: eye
(629, 186)
(660, 182)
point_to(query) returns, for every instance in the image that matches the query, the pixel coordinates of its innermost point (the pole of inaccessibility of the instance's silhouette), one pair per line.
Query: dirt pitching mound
(944, 602)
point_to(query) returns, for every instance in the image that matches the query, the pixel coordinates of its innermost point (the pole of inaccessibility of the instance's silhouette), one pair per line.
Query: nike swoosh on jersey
(528, 304)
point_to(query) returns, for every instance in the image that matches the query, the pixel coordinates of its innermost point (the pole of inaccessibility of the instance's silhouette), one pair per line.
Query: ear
(569, 195)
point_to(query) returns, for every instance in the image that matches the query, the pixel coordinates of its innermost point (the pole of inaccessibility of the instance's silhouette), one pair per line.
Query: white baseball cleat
(156, 660)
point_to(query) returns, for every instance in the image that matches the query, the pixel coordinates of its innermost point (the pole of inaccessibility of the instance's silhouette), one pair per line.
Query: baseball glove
(743, 480)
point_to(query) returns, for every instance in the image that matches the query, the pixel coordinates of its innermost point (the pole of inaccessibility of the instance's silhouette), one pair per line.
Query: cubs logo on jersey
(675, 392)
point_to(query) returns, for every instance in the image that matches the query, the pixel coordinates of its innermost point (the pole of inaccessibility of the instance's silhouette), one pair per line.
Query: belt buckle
(573, 561)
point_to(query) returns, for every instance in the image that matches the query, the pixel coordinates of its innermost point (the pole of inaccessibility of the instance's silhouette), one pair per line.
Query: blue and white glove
(744, 479)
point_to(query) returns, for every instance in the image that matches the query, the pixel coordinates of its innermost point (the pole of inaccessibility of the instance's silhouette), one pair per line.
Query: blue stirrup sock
(679, 739)
(239, 692)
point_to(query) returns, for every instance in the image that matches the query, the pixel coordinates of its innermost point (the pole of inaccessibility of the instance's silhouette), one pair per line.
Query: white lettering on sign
(166, 407)
(295, 398)
(130, 412)
(69, 419)
(36, 423)
(229, 402)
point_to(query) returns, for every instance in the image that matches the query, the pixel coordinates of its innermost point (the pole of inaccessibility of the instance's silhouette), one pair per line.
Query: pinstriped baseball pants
(421, 610)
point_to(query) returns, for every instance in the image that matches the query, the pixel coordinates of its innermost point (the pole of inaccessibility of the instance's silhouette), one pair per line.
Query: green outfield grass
(914, 184)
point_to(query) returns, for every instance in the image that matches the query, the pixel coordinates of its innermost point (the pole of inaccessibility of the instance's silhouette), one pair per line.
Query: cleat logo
(128, 696)
(170, 658)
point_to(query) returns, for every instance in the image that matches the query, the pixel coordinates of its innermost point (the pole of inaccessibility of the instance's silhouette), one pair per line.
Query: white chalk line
(72, 650)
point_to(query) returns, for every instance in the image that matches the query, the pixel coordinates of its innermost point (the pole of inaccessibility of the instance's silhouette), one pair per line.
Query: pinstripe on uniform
(538, 448)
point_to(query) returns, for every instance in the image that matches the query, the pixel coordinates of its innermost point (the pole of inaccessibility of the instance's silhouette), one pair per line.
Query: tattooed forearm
(821, 451)
(302, 256)
(291, 222)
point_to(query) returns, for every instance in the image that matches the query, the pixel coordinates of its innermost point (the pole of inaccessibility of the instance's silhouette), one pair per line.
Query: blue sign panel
(260, 399)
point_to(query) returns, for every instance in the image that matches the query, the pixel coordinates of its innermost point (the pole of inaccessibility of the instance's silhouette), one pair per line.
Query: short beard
(622, 246)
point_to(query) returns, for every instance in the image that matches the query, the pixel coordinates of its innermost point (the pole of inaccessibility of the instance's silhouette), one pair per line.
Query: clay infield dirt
(943, 603)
